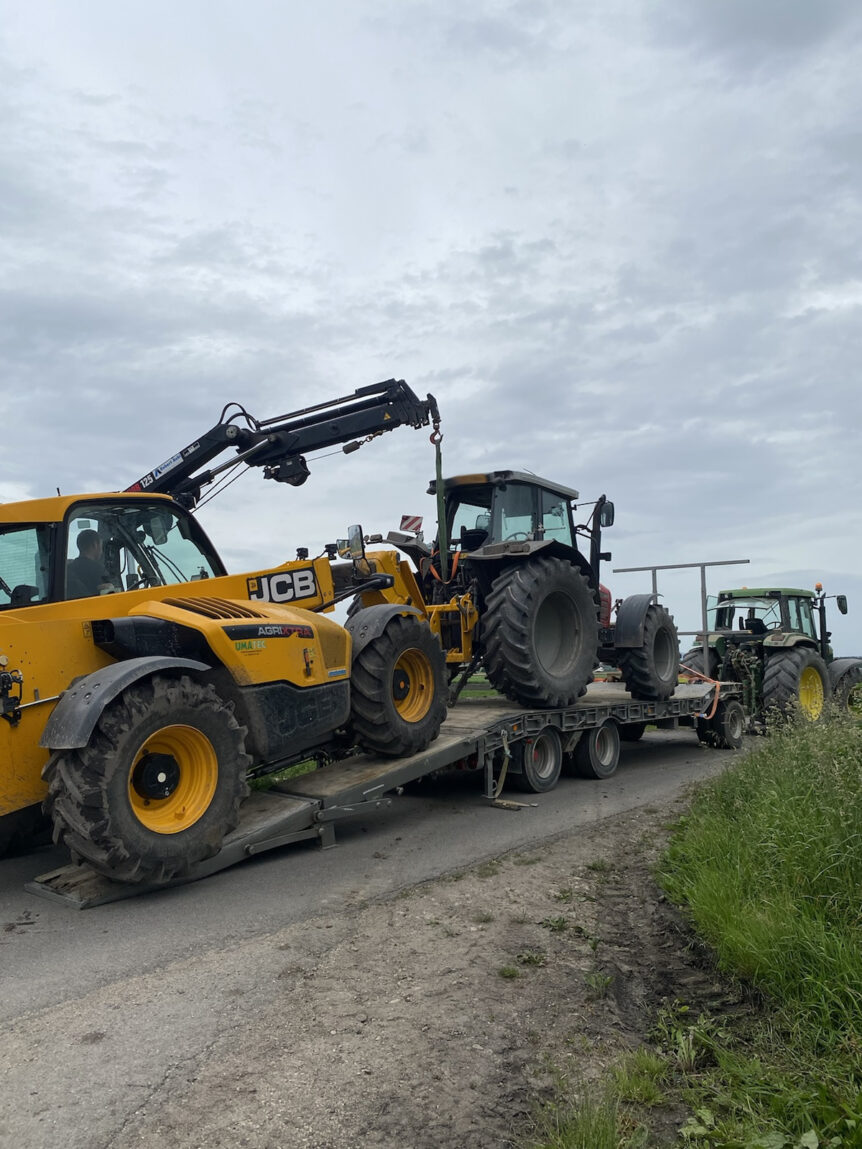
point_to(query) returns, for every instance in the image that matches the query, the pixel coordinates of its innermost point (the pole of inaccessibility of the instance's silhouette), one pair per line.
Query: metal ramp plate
(267, 820)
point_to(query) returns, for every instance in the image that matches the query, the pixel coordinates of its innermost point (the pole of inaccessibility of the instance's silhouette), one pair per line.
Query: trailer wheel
(632, 731)
(541, 762)
(158, 786)
(540, 633)
(651, 671)
(398, 689)
(848, 692)
(597, 753)
(796, 679)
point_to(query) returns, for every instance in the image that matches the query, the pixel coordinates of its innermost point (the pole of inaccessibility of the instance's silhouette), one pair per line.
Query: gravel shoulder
(433, 1018)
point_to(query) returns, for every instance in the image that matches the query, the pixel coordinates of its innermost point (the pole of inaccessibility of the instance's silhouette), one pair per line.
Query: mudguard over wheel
(651, 671)
(796, 679)
(157, 787)
(398, 689)
(540, 633)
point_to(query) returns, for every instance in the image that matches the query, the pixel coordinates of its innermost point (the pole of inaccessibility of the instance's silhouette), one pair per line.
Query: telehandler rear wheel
(398, 689)
(651, 671)
(540, 633)
(158, 786)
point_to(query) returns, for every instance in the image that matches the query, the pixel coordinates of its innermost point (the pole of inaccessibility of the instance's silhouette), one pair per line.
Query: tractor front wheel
(796, 679)
(540, 633)
(157, 787)
(398, 689)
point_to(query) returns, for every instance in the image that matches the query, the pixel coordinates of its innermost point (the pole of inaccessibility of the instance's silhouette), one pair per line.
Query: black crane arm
(279, 445)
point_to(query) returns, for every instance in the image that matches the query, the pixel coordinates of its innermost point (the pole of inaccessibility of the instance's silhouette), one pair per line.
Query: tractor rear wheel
(398, 689)
(157, 787)
(651, 671)
(693, 659)
(848, 692)
(540, 633)
(796, 679)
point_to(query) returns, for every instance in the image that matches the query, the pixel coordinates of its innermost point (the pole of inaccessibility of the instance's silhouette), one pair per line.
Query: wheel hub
(400, 684)
(156, 776)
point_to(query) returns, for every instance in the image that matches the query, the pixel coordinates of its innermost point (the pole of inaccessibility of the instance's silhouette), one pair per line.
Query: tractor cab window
(755, 615)
(801, 617)
(514, 513)
(556, 523)
(113, 547)
(24, 565)
(469, 522)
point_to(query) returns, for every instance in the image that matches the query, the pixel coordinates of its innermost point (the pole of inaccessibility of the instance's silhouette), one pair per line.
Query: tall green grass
(768, 865)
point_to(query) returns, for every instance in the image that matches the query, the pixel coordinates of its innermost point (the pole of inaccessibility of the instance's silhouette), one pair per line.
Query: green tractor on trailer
(774, 642)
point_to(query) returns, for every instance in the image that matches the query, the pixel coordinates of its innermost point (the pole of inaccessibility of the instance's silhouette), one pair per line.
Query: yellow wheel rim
(811, 693)
(173, 779)
(413, 685)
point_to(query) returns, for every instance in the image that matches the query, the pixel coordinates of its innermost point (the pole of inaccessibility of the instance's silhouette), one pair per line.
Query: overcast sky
(619, 241)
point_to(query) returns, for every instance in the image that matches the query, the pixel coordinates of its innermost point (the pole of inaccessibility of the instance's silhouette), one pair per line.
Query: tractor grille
(213, 607)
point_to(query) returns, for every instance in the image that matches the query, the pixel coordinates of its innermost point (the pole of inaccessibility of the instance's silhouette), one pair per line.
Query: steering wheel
(516, 535)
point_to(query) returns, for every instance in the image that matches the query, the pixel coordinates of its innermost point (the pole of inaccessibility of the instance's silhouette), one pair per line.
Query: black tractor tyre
(728, 725)
(796, 680)
(848, 692)
(540, 633)
(693, 659)
(651, 671)
(157, 787)
(541, 759)
(597, 751)
(398, 689)
(632, 731)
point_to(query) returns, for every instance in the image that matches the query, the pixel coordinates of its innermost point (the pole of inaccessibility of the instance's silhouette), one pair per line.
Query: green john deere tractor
(775, 643)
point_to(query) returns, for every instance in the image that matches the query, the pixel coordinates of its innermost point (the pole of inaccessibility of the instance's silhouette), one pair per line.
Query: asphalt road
(50, 953)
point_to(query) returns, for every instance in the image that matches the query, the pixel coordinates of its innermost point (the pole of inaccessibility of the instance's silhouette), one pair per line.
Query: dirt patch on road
(438, 1017)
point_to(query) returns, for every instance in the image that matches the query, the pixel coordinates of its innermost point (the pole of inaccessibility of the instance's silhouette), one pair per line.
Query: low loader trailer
(498, 740)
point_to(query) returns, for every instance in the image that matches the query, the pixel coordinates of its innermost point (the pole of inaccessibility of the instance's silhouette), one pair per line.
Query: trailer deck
(476, 734)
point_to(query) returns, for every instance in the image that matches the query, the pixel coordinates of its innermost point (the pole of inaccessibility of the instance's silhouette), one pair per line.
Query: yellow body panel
(51, 644)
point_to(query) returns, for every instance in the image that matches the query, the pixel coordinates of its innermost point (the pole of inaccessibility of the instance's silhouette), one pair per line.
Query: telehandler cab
(137, 706)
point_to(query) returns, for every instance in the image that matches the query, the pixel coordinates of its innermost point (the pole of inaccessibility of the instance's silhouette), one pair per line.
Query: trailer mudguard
(370, 622)
(839, 667)
(74, 717)
(629, 626)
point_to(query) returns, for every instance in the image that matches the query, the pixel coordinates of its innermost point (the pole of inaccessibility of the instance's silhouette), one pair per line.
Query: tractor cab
(744, 614)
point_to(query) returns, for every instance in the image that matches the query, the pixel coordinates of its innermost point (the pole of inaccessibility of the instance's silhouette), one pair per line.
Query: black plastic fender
(629, 626)
(370, 622)
(74, 717)
(839, 667)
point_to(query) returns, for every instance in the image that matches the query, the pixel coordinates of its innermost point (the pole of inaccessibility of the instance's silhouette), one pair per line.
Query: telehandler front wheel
(157, 787)
(398, 689)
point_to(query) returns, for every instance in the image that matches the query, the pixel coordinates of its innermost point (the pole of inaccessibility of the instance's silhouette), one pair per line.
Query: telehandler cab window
(24, 552)
(113, 547)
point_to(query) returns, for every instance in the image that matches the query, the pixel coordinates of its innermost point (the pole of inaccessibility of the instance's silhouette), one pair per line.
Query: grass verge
(767, 866)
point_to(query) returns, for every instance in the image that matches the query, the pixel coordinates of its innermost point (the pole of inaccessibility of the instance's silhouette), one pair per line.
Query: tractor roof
(54, 509)
(499, 478)
(764, 592)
